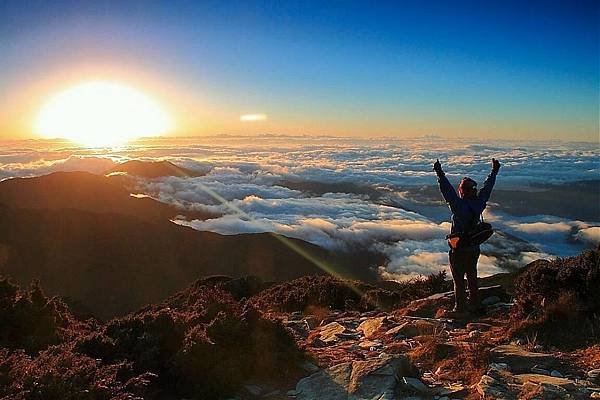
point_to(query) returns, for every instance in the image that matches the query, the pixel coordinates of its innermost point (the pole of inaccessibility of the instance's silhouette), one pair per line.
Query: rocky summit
(309, 338)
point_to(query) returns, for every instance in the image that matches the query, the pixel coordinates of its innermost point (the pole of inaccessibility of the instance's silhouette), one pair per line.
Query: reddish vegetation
(326, 292)
(201, 343)
(559, 297)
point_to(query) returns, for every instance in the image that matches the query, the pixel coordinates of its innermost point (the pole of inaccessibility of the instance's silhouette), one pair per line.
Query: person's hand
(495, 165)
(437, 167)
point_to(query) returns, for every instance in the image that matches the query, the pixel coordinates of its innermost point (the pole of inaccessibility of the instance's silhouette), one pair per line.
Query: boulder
(370, 326)
(521, 360)
(370, 379)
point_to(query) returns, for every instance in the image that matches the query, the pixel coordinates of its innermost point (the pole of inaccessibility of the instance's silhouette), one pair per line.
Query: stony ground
(416, 353)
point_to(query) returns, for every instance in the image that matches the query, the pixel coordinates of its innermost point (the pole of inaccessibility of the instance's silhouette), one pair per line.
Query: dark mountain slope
(114, 263)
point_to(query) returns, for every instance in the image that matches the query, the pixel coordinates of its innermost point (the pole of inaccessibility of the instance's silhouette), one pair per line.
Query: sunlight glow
(101, 114)
(253, 117)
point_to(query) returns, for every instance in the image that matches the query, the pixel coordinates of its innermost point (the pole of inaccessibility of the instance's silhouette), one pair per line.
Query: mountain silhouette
(154, 169)
(85, 192)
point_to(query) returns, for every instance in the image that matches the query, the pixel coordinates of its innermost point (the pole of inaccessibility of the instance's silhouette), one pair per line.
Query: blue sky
(491, 69)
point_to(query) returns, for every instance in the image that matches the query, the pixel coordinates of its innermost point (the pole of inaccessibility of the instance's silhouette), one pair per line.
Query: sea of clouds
(258, 184)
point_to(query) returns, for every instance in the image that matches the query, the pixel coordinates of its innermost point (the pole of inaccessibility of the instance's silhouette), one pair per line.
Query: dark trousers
(464, 262)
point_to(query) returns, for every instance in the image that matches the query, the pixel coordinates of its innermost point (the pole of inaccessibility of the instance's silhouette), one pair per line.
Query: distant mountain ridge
(86, 192)
(153, 169)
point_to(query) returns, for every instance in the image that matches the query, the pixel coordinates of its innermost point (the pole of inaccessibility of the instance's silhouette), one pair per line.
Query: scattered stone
(396, 330)
(370, 326)
(328, 333)
(490, 388)
(595, 395)
(416, 385)
(368, 344)
(474, 334)
(500, 366)
(370, 379)
(521, 360)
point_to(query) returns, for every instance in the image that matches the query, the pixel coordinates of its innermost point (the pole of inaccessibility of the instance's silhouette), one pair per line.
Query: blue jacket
(466, 212)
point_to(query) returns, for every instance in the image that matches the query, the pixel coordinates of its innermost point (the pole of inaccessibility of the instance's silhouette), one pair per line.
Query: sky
(494, 69)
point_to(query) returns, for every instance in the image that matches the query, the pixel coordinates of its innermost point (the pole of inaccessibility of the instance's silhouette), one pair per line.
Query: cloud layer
(248, 181)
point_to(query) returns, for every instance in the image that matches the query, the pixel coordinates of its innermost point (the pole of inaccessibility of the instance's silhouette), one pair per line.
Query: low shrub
(555, 298)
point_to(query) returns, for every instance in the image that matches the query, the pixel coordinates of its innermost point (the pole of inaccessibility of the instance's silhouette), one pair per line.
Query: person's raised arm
(488, 185)
(445, 186)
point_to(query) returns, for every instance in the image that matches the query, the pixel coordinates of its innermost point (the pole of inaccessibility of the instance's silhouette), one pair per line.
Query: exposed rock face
(371, 379)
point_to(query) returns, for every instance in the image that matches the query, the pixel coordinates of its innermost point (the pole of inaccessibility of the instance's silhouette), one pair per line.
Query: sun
(101, 113)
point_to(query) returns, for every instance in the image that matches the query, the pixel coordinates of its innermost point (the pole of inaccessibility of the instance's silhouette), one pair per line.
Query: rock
(416, 385)
(370, 379)
(595, 395)
(545, 379)
(417, 328)
(328, 332)
(474, 334)
(556, 374)
(370, 326)
(454, 390)
(499, 366)
(488, 301)
(368, 344)
(396, 330)
(291, 393)
(531, 390)
(521, 360)
(594, 375)
(330, 384)
(490, 388)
